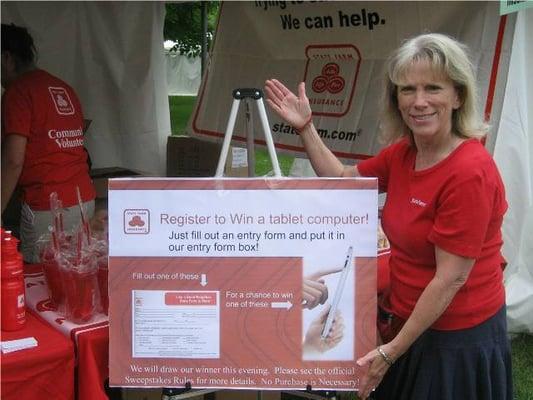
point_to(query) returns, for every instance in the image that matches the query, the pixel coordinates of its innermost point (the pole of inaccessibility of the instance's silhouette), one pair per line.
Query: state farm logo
(61, 100)
(136, 221)
(46, 305)
(331, 73)
(329, 80)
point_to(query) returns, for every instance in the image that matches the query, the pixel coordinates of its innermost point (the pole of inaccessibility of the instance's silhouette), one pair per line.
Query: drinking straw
(88, 232)
(56, 207)
(78, 248)
(53, 208)
(54, 237)
(60, 214)
(80, 204)
(84, 221)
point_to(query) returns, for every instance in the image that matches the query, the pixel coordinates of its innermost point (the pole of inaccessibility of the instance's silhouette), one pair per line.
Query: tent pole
(204, 35)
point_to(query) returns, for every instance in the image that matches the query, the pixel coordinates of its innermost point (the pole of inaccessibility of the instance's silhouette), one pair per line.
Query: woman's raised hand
(295, 110)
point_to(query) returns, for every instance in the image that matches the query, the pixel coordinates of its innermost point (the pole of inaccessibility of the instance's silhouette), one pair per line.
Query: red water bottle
(12, 286)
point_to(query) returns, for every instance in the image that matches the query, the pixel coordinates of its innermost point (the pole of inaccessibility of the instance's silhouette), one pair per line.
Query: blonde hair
(447, 57)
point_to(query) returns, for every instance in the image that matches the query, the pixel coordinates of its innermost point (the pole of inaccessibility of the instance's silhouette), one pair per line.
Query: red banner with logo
(338, 49)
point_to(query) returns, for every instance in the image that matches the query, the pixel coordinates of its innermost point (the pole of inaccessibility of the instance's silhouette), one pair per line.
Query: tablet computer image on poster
(338, 293)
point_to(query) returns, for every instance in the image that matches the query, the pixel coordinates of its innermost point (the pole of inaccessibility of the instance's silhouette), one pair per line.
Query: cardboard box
(100, 176)
(192, 157)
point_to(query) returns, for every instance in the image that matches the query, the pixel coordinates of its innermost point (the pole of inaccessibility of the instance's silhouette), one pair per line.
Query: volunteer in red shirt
(445, 332)
(42, 141)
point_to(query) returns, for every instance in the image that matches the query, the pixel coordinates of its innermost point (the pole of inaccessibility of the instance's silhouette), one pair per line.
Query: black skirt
(469, 364)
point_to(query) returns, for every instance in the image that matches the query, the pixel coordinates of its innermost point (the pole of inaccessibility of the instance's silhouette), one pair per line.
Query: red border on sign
(242, 183)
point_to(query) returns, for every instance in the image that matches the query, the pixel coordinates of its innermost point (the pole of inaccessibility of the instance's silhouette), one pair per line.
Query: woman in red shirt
(42, 141)
(443, 216)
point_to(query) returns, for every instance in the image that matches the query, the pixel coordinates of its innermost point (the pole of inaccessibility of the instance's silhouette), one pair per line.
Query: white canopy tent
(183, 74)
(112, 54)
(514, 155)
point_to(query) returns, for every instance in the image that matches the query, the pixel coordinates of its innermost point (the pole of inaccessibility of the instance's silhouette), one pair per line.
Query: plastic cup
(103, 273)
(54, 279)
(81, 288)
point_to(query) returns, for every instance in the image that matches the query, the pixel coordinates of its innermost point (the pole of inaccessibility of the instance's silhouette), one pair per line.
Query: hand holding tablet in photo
(314, 288)
(314, 342)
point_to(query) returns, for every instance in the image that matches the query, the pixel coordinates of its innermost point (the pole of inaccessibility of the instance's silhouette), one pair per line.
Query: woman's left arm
(451, 273)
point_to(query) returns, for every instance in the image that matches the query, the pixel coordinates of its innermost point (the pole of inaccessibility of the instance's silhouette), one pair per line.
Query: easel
(248, 94)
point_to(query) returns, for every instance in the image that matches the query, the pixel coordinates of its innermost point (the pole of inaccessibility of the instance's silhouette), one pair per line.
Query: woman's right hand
(295, 110)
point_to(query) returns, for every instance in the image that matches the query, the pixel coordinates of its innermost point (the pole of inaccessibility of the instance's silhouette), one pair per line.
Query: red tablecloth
(90, 340)
(42, 372)
(93, 363)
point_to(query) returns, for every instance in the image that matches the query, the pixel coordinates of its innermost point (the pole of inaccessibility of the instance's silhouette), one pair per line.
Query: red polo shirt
(458, 205)
(48, 113)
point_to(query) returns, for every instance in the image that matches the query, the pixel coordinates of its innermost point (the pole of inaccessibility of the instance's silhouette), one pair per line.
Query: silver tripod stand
(248, 94)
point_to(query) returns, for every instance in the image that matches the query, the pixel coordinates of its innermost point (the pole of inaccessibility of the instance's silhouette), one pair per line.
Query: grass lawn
(522, 345)
(522, 351)
(180, 109)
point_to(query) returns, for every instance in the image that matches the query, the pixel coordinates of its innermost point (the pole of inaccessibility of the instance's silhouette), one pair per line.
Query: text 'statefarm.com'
(323, 133)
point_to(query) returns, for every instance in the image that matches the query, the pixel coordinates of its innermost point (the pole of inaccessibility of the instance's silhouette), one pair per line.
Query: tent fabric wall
(183, 74)
(112, 54)
(514, 155)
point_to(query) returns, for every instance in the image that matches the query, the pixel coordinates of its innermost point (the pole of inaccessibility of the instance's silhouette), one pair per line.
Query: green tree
(183, 24)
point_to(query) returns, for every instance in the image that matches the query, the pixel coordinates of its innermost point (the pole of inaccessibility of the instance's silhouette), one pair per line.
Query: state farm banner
(211, 282)
(338, 49)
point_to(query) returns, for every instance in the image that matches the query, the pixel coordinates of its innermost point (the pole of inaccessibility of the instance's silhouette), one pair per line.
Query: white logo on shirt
(418, 202)
(61, 100)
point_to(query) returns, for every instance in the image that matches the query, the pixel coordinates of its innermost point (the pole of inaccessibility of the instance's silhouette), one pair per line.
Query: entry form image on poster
(175, 324)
